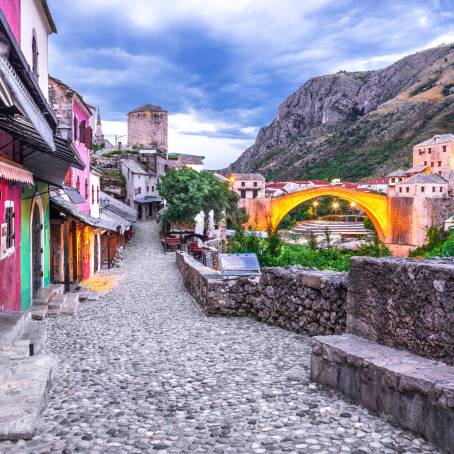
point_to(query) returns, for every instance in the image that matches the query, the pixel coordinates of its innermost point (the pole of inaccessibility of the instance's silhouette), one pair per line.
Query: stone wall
(148, 129)
(403, 303)
(295, 298)
(302, 300)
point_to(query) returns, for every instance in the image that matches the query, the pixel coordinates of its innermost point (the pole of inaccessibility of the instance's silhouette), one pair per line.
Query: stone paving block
(24, 388)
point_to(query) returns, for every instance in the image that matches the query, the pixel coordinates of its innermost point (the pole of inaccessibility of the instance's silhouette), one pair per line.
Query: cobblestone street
(143, 370)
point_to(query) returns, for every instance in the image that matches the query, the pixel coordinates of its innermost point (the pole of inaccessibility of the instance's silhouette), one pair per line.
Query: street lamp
(315, 205)
(335, 206)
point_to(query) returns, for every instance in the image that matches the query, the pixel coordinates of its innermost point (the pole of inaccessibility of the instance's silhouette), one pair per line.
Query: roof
(148, 199)
(320, 182)
(246, 176)
(57, 198)
(439, 138)
(49, 16)
(416, 169)
(134, 166)
(147, 108)
(375, 181)
(396, 173)
(425, 178)
(276, 185)
(73, 195)
(114, 205)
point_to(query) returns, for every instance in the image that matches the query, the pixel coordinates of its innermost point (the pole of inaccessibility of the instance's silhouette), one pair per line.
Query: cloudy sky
(221, 67)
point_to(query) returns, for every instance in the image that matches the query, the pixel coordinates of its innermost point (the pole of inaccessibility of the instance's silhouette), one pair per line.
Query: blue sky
(222, 67)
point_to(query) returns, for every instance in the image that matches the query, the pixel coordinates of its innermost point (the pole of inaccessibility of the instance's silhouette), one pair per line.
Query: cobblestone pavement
(143, 370)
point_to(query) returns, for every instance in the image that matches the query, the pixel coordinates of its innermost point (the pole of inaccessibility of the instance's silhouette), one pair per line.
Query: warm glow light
(335, 205)
(353, 204)
(232, 179)
(315, 204)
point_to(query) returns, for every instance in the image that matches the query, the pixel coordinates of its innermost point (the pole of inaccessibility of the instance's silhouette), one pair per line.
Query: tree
(187, 192)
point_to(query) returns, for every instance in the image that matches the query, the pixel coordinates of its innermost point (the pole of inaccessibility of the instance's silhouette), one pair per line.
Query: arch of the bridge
(374, 205)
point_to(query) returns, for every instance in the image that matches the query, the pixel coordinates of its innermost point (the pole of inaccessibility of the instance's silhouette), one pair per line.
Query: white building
(141, 188)
(36, 25)
(95, 189)
(179, 160)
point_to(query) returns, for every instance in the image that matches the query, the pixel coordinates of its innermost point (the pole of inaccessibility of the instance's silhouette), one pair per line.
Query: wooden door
(37, 250)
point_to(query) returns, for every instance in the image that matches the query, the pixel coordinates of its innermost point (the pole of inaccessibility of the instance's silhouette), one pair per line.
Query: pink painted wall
(11, 11)
(84, 175)
(10, 295)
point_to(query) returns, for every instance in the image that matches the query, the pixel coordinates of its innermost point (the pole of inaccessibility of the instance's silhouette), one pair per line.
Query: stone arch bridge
(400, 222)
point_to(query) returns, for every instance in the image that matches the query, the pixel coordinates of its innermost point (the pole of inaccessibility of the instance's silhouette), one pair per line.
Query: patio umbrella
(199, 224)
(211, 230)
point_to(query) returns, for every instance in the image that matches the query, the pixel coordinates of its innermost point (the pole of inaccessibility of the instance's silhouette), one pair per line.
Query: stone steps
(53, 302)
(24, 389)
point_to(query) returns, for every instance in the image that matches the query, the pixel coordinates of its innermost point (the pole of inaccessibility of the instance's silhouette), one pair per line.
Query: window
(243, 183)
(255, 193)
(430, 150)
(441, 189)
(243, 194)
(78, 183)
(139, 190)
(420, 151)
(255, 183)
(9, 221)
(86, 189)
(432, 164)
(35, 55)
(422, 188)
(152, 189)
(76, 128)
(407, 189)
(82, 132)
(393, 180)
(444, 148)
(400, 189)
(439, 163)
(97, 194)
(433, 189)
(92, 194)
(148, 188)
(425, 163)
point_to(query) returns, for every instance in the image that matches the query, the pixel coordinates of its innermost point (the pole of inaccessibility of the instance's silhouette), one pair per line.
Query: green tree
(187, 192)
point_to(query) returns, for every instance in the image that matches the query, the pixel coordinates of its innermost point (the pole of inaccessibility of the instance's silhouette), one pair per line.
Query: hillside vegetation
(354, 125)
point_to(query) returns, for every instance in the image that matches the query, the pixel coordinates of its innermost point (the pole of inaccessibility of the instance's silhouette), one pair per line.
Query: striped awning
(12, 171)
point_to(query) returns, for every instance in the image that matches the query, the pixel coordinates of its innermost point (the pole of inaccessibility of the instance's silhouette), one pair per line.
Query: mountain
(354, 125)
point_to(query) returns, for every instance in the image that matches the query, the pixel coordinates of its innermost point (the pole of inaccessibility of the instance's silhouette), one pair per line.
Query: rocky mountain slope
(354, 125)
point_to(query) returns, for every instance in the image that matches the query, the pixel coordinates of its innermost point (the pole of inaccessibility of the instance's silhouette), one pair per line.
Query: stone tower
(147, 127)
(99, 136)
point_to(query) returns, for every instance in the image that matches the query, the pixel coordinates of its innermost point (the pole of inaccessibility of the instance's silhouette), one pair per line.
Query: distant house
(248, 185)
(375, 184)
(179, 160)
(141, 188)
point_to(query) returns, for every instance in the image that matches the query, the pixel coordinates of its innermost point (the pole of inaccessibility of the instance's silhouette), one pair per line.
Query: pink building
(73, 115)
(11, 12)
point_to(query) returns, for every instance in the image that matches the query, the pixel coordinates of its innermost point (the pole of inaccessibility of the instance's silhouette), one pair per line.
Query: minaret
(99, 136)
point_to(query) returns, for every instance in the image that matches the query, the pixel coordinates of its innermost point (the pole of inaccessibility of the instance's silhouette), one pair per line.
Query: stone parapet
(403, 303)
(413, 392)
(298, 299)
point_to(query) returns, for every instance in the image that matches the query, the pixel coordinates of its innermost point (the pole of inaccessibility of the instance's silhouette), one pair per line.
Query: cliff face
(356, 125)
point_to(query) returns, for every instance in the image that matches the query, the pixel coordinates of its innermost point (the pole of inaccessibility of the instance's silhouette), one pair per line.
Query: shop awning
(74, 195)
(12, 171)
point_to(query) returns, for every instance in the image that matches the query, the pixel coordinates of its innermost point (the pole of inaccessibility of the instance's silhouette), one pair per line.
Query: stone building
(179, 160)
(248, 185)
(148, 127)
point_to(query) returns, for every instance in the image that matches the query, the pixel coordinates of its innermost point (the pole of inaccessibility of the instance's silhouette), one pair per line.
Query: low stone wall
(302, 300)
(295, 298)
(413, 392)
(216, 296)
(403, 303)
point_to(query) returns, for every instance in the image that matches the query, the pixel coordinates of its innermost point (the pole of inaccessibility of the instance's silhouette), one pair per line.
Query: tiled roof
(375, 181)
(416, 169)
(396, 173)
(425, 178)
(111, 204)
(439, 138)
(134, 166)
(148, 108)
(247, 176)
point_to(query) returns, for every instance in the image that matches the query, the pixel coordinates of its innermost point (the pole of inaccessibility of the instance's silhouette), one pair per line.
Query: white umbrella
(211, 231)
(199, 224)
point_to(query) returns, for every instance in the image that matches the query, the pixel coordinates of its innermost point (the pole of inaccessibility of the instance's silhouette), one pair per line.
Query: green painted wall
(26, 207)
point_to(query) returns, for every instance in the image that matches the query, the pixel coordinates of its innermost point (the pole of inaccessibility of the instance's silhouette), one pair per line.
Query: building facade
(148, 127)
(247, 185)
